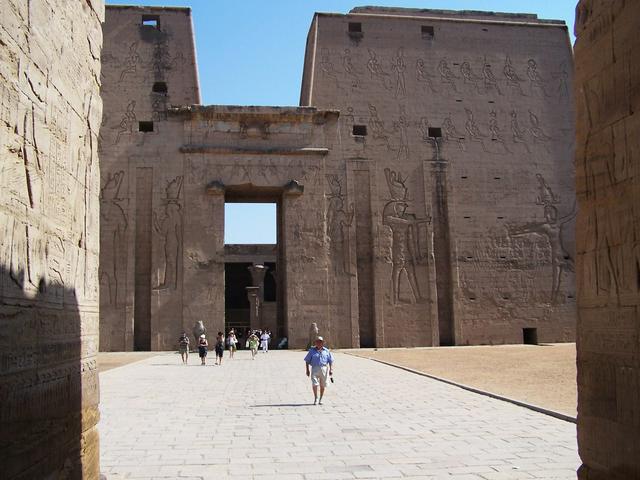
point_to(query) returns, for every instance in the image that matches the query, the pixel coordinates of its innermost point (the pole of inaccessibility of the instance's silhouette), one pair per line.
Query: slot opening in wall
(359, 130)
(152, 21)
(145, 126)
(434, 132)
(355, 27)
(159, 87)
(427, 32)
(500, 218)
(464, 177)
(530, 336)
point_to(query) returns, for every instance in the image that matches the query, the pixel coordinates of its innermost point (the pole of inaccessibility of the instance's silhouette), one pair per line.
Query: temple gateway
(424, 187)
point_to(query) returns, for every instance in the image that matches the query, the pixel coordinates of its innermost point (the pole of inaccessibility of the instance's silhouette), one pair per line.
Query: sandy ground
(543, 375)
(109, 360)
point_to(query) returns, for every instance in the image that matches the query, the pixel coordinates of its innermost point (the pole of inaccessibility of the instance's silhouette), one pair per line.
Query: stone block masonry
(50, 115)
(608, 182)
(424, 189)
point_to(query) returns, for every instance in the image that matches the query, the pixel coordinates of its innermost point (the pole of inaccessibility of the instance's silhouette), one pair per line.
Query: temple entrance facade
(425, 189)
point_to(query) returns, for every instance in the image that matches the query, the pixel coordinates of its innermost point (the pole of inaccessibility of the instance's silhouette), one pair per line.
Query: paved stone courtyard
(254, 420)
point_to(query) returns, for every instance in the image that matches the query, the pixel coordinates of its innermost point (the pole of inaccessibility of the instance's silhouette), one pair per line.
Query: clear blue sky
(263, 42)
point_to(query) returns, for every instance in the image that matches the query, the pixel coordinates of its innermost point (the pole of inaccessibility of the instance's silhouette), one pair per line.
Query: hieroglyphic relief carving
(512, 77)
(405, 250)
(376, 71)
(403, 148)
(451, 134)
(538, 134)
(447, 77)
(339, 220)
(161, 58)
(126, 125)
(377, 127)
(423, 77)
(114, 226)
(496, 132)
(552, 229)
(473, 131)
(536, 83)
(489, 79)
(562, 77)
(399, 66)
(327, 68)
(469, 77)
(349, 69)
(168, 224)
(517, 133)
(130, 62)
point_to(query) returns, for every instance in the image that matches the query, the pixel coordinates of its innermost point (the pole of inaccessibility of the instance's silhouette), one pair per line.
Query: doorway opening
(253, 293)
(530, 336)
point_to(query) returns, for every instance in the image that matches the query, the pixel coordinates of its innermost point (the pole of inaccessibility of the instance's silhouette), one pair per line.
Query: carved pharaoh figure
(114, 227)
(513, 80)
(169, 227)
(376, 71)
(403, 249)
(469, 77)
(399, 67)
(535, 80)
(349, 69)
(551, 228)
(446, 75)
(490, 80)
(423, 77)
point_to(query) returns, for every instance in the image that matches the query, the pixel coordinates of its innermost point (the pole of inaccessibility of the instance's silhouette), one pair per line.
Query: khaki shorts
(319, 376)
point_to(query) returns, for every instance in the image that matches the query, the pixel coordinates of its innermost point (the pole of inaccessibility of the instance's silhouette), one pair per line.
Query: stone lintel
(272, 115)
(210, 149)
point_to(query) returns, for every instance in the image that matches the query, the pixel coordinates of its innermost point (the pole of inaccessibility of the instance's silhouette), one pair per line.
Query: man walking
(320, 360)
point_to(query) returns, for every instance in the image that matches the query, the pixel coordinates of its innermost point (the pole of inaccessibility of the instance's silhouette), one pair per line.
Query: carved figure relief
(451, 134)
(327, 68)
(161, 59)
(536, 130)
(470, 78)
(377, 127)
(423, 77)
(401, 127)
(169, 226)
(339, 220)
(473, 131)
(349, 69)
(512, 77)
(489, 79)
(536, 83)
(376, 71)
(131, 62)
(563, 80)
(129, 119)
(114, 226)
(551, 228)
(405, 253)
(399, 67)
(447, 77)
(517, 133)
(496, 133)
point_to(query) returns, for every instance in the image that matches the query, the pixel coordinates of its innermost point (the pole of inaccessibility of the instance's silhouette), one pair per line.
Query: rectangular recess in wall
(427, 31)
(142, 255)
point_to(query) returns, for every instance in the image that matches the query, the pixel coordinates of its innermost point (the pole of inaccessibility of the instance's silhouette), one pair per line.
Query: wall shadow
(48, 381)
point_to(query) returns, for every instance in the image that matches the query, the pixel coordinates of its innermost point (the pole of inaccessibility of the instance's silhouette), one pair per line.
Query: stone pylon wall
(467, 238)
(608, 185)
(50, 111)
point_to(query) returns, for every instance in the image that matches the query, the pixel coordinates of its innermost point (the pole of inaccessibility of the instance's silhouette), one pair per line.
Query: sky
(263, 42)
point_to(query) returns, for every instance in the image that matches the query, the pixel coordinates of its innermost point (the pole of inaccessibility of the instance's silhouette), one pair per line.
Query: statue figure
(198, 329)
(313, 334)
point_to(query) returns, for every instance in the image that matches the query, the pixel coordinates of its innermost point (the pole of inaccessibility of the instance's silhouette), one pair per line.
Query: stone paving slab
(254, 420)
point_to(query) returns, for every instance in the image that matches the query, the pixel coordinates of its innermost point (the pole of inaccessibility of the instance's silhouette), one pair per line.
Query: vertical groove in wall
(142, 301)
(364, 257)
(442, 247)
